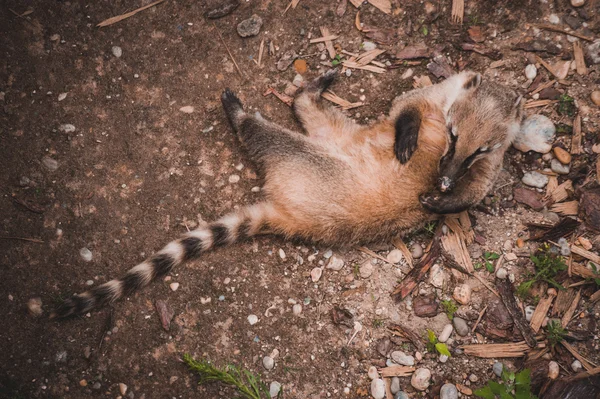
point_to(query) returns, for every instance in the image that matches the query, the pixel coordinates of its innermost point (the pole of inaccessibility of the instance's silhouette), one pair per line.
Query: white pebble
(234, 179)
(443, 358)
(174, 286)
(373, 373)
(252, 319)
(530, 71)
(49, 163)
(86, 254)
(315, 274)
(501, 273)
(274, 389)
(117, 51)
(378, 388)
(188, 109)
(62, 96)
(420, 379)
(576, 366)
(395, 256)
(553, 370)
(34, 306)
(297, 309)
(268, 362)
(281, 253)
(446, 332)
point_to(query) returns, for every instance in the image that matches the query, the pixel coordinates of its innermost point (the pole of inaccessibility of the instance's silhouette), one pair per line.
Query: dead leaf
(412, 52)
(341, 8)
(476, 34)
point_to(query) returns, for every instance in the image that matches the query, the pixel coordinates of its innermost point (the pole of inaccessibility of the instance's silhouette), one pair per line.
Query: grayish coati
(439, 151)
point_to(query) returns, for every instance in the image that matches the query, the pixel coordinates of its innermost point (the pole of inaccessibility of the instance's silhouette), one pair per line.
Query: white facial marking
(496, 146)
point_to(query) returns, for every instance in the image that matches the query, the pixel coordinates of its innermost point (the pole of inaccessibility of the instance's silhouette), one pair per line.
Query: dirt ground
(135, 171)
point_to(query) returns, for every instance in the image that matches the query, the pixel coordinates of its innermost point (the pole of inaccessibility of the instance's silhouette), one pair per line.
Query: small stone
(559, 168)
(420, 379)
(462, 294)
(373, 373)
(497, 369)
(188, 109)
(536, 134)
(298, 80)
(368, 46)
(174, 286)
(83, 383)
(61, 357)
(378, 388)
(366, 269)
(286, 60)
(418, 356)
(252, 319)
(268, 362)
(297, 309)
(576, 366)
(535, 179)
(300, 66)
(437, 276)
(446, 332)
(461, 326)
(117, 51)
(62, 96)
(66, 128)
(395, 256)
(402, 358)
(430, 8)
(281, 253)
(577, 3)
(416, 250)
(529, 310)
(595, 96)
(250, 27)
(220, 8)
(594, 51)
(448, 391)
(348, 72)
(443, 358)
(122, 388)
(89, 282)
(473, 378)
(315, 274)
(501, 273)
(401, 395)
(530, 71)
(86, 254)
(96, 386)
(335, 263)
(407, 74)
(274, 389)
(553, 370)
(49, 163)
(234, 179)
(395, 385)
(553, 19)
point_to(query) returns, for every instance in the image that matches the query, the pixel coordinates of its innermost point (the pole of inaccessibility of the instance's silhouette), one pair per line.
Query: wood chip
(562, 30)
(563, 301)
(422, 81)
(595, 297)
(323, 39)
(405, 332)
(551, 186)
(383, 5)
(455, 242)
(579, 270)
(571, 311)
(598, 169)
(585, 254)
(538, 103)
(579, 58)
(121, 17)
(345, 104)
(518, 349)
(283, 97)
(368, 56)
(399, 244)
(328, 43)
(396, 371)
(371, 68)
(584, 362)
(554, 70)
(541, 312)
(356, 3)
(543, 86)
(505, 288)
(570, 208)
(260, 52)
(561, 192)
(458, 11)
(576, 148)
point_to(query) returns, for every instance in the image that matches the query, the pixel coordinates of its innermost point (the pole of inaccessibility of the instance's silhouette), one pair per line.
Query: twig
(23, 239)
(229, 52)
(373, 254)
(584, 362)
(121, 17)
(561, 30)
(260, 52)
(479, 319)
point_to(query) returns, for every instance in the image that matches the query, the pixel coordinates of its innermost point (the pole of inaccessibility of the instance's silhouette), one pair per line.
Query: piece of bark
(165, 313)
(590, 208)
(576, 148)
(517, 349)
(405, 332)
(426, 306)
(476, 34)
(440, 68)
(579, 270)
(595, 297)
(538, 374)
(571, 311)
(528, 197)
(585, 254)
(561, 229)
(538, 45)
(479, 49)
(505, 289)
(580, 386)
(561, 192)
(383, 5)
(570, 208)
(541, 312)
(396, 371)
(563, 301)
(579, 58)
(412, 52)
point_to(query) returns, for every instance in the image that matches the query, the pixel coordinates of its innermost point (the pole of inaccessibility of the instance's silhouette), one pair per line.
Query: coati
(343, 183)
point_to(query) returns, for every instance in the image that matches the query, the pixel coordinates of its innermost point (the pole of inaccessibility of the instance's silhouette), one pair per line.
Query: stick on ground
(121, 17)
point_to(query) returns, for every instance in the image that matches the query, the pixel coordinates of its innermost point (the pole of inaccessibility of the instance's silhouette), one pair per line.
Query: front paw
(323, 82)
(441, 204)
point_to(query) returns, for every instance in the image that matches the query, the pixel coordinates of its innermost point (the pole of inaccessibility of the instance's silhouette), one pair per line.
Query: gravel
(250, 27)
(446, 332)
(497, 369)
(378, 388)
(274, 389)
(252, 319)
(268, 362)
(420, 379)
(416, 250)
(50, 163)
(558, 167)
(117, 51)
(537, 134)
(402, 358)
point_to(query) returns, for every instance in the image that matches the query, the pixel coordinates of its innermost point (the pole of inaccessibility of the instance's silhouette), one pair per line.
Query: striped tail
(234, 227)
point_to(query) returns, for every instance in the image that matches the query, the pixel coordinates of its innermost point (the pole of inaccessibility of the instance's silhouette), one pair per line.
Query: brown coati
(343, 183)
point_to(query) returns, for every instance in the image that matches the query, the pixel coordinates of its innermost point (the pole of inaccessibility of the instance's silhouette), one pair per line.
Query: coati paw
(323, 82)
(232, 105)
(407, 134)
(441, 204)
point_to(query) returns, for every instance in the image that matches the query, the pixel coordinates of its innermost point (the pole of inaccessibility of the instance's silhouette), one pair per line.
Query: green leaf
(432, 337)
(485, 393)
(523, 378)
(490, 267)
(442, 349)
(491, 256)
(496, 388)
(424, 30)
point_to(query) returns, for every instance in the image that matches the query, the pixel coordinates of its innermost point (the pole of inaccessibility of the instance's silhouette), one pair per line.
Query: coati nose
(445, 184)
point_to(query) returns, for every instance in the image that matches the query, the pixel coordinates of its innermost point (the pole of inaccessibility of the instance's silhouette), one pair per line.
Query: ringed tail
(231, 228)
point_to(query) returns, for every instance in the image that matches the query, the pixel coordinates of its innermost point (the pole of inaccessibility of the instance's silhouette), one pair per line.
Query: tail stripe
(162, 264)
(192, 247)
(220, 235)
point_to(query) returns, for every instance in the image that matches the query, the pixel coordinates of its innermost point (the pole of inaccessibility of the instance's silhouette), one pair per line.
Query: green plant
(337, 60)
(562, 128)
(434, 344)
(556, 333)
(430, 228)
(244, 382)
(377, 323)
(596, 272)
(450, 308)
(566, 105)
(424, 30)
(514, 386)
(488, 260)
(547, 265)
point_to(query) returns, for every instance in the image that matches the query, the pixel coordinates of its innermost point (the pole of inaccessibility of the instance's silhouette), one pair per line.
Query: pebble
(446, 332)
(418, 356)
(559, 168)
(50, 163)
(462, 294)
(530, 71)
(335, 263)
(298, 80)
(577, 3)
(61, 357)
(86, 254)
(268, 362)
(529, 310)
(554, 19)
(536, 134)
(221, 8)
(315, 274)
(595, 96)
(348, 72)
(562, 155)
(394, 256)
(401, 395)
(117, 51)
(174, 286)
(286, 60)
(501, 273)
(300, 66)
(378, 388)
(576, 366)
(250, 27)
(89, 282)
(373, 373)
(368, 46)
(473, 378)
(448, 391)
(395, 385)
(416, 250)
(328, 254)
(274, 389)
(402, 358)
(497, 369)
(553, 370)
(188, 109)
(420, 379)
(366, 269)
(66, 127)
(83, 383)
(122, 388)
(281, 253)
(96, 386)
(443, 358)
(461, 326)
(252, 319)
(535, 179)
(437, 276)
(297, 309)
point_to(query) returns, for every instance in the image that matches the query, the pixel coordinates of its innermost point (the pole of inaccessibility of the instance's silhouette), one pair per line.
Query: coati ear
(473, 82)
(407, 134)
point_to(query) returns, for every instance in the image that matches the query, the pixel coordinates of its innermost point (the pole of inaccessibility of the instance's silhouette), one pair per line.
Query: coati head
(481, 122)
